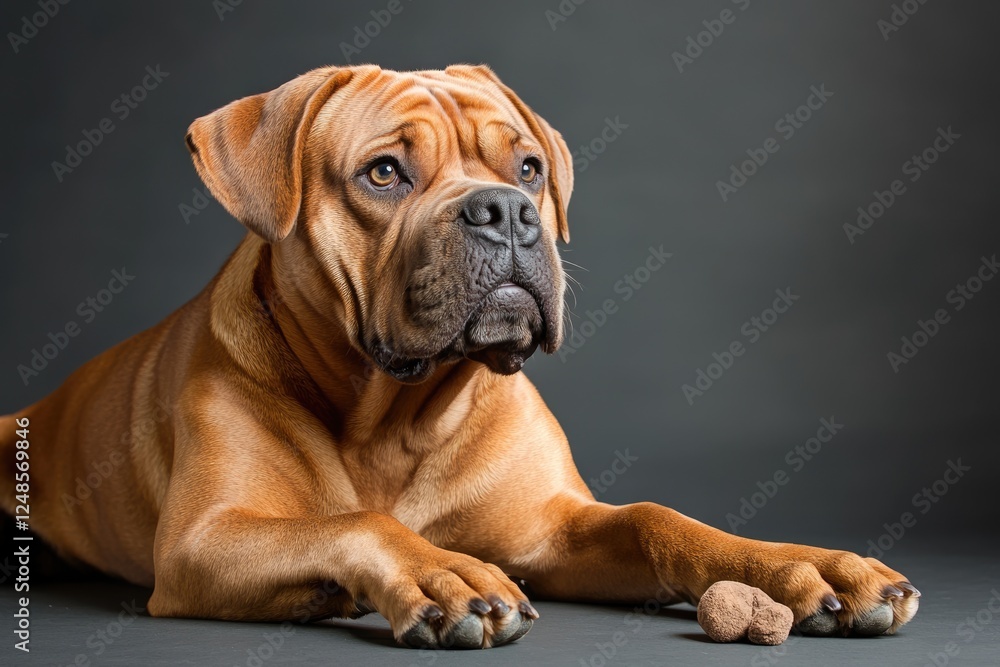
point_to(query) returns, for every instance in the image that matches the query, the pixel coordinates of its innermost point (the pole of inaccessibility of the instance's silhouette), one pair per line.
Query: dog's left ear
(561, 182)
(249, 152)
(561, 178)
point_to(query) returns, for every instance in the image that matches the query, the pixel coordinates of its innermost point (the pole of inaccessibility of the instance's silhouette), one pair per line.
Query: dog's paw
(458, 602)
(838, 593)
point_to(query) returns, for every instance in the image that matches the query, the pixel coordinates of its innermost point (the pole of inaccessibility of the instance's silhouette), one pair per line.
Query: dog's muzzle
(503, 228)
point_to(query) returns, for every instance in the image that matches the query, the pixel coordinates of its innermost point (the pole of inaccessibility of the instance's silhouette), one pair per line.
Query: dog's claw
(528, 610)
(432, 613)
(891, 591)
(909, 589)
(831, 602)
(499, 608)
(481, 606)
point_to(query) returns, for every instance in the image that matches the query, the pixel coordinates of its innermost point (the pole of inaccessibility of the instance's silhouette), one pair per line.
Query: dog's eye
(384, 175)
(528, 171)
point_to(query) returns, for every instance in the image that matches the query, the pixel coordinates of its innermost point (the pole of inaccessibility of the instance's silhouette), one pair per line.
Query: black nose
(503, 216)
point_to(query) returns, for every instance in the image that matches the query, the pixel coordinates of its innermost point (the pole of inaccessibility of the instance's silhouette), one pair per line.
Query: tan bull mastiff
(405, 222)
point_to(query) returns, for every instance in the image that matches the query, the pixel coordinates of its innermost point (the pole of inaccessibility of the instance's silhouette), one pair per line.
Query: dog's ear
(561, 177)
(249, 152)
(561, 180)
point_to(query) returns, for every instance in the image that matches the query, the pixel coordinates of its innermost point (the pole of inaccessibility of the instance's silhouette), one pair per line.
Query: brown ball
(730, 611)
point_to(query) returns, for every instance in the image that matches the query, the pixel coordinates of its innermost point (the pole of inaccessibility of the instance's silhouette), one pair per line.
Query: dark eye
(384, 175)
(528, 171)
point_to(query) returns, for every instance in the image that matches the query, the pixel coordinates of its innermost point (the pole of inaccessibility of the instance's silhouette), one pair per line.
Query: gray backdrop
(675, 119)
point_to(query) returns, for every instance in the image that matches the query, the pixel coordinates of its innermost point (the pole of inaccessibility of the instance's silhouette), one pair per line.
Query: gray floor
(77, 623)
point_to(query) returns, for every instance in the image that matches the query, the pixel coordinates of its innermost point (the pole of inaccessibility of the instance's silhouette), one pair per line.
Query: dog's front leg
(238, 565)
(636, 552)
(249, 531)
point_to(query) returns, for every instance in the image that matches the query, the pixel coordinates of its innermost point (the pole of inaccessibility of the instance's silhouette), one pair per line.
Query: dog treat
(730, 611)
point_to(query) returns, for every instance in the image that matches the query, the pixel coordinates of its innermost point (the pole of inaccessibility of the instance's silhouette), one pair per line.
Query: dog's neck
(314, 357)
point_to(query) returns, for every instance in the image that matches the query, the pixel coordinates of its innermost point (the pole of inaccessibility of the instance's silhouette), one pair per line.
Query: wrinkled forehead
(428, 112)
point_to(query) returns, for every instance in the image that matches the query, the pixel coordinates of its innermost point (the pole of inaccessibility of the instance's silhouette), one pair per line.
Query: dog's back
(99, 446)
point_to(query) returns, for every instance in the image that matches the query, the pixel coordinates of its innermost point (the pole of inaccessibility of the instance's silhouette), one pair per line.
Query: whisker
(573, 291)
(573, 264)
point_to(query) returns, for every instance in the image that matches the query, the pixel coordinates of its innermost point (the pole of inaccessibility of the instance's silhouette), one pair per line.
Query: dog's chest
(380, 476)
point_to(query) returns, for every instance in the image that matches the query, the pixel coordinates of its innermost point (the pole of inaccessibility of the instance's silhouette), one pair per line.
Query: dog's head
(425, 207)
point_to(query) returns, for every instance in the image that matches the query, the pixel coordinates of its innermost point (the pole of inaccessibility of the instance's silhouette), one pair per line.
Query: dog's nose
(502, 215)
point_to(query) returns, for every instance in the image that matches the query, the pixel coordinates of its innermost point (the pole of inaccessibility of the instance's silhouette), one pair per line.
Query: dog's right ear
(249, 152)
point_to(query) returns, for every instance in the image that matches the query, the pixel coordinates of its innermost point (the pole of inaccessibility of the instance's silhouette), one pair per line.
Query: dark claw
(528, 610)
(891, 591)
(482, 607)
(831, 602)
(909, 589)
(432, 612)
(500, 608)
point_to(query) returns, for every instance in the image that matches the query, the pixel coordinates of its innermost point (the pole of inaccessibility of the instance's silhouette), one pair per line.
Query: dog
(338, 423)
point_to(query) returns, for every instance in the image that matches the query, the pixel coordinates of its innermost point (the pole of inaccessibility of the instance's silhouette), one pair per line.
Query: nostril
(494, 213)
(499, 207)
(529, 214)
(483, 213)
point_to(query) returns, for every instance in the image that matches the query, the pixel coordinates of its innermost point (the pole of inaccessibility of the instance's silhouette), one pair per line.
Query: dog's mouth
(509, 288)
(506, 328)
(502, 331)
(401, 367)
